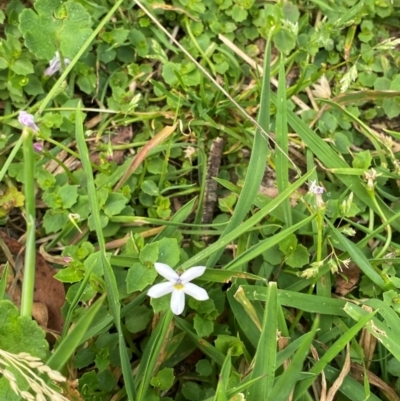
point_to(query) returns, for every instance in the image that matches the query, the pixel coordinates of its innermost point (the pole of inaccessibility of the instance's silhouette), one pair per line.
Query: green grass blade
(179, 217)
(261, 200)
(357, 256)
(110, 280)
(238, 389)
(75, 301)
(222, 276)
(388, 337)
(248, 224)
(69, 343)
(286, 382)
(202, 171)
(244, 320)
(306, 302)
(268, 243)
(265, 358)
(3, 281)
(331, 353)
(10, 158)
(289, 350)
(222, 387)
(256, 168)
(376, 141)
(330, 159)
(151, 355)
(252, 310)
(282, 139)
(390, 317)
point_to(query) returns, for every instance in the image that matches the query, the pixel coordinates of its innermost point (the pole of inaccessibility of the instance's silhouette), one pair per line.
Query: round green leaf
(53, 28)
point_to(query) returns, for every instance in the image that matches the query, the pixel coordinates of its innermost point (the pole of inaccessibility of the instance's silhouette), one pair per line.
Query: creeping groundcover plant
(141, 140)
(179, 285)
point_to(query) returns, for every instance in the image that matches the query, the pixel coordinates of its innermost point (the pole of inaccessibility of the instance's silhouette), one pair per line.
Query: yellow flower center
(178, 286)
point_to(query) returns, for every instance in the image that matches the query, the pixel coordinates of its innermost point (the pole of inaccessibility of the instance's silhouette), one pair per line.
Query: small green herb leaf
(53, 27)
(169, 251)
(149, 187)
(299, 258)
(138, 319)
(164, 379)
(149, 254)
(139, 277)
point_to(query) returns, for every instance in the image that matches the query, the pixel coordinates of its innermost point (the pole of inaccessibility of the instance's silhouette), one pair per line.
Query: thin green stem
(151, 355)
(388, 227)
(196, 45)
(109, 276)
(28, 284)
(10, 158)
(371, 220)
(320, 224)
(319, 218)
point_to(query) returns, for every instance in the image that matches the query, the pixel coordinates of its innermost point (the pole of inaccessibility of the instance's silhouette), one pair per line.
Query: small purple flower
(67, 259)
(27, 120)
(38, 147)
(55, 65)
(315, 189)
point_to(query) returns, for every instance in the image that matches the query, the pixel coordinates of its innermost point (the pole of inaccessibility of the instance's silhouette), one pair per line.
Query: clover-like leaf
(139, 277)
(299, 258)
(164, 379)
(19, 334)
(55, 26)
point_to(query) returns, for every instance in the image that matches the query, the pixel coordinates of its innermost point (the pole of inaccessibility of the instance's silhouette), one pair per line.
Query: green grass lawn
(200, 200)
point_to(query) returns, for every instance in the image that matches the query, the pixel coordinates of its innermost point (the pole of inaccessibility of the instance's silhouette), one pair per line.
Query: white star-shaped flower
(179, 285)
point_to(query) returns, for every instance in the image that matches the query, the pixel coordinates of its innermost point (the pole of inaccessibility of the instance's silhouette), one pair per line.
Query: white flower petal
(177, 301)
(165, 271)
(192, 273)
(159, 290)
(195, 291)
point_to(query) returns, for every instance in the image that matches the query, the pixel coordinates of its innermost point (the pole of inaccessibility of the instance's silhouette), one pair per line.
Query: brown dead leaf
(357, 372)
(172, 8)
(70, 389)
(343, 374)
(368, 341)
(152, 143)
(48, 291)
(347, 280)
(40, 313)
(59, 260)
